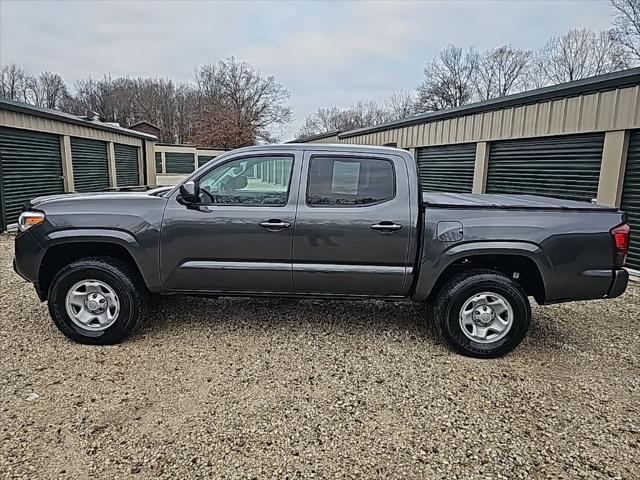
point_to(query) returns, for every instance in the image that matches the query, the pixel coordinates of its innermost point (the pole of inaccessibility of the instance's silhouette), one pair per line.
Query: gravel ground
(245, 388)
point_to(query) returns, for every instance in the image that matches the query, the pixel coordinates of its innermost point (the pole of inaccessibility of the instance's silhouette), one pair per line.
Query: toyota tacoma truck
(319, 221)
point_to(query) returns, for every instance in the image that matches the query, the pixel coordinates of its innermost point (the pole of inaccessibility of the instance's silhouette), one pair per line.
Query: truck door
(353, 225)
(238, 237)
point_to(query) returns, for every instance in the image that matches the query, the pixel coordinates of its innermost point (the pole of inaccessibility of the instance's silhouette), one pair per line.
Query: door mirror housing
(189, 192)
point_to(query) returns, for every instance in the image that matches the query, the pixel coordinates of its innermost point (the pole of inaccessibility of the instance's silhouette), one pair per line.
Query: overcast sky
(325, 53)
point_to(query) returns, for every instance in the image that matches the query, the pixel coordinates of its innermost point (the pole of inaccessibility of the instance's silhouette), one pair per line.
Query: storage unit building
(571, 141)
(46, 152)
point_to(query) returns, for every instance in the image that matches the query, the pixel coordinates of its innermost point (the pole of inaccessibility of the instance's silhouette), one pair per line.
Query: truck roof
(338, 147)
(505, 201)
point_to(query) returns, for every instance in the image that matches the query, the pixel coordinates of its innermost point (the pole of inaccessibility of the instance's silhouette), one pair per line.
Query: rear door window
(347, 181)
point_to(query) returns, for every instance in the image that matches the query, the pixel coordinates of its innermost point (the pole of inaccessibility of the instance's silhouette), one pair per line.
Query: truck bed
(509, 202)
(569, 242)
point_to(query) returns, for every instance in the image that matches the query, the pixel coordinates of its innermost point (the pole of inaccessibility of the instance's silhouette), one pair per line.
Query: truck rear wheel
(482, 313)
(97, 300)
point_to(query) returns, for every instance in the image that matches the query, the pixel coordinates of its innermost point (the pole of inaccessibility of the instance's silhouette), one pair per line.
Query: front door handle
(274, 224)
(386, 227)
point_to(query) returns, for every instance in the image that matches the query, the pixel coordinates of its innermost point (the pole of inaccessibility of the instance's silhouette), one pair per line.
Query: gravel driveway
(242, 388)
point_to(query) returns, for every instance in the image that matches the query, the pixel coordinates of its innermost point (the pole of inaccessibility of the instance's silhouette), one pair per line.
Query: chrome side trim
(250, 266)
(346, 268)
(297, 267)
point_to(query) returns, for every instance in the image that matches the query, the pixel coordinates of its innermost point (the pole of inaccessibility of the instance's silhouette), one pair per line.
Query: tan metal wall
(31, 122)
(209, 152)
(188, 149)
(150, 163)
(595, 112)
(333, 139)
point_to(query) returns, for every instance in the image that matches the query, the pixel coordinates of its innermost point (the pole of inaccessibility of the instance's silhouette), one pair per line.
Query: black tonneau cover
(518, 202)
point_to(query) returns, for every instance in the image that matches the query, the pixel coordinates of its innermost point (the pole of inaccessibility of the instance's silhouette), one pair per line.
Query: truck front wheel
(96, 300)
(482, 313)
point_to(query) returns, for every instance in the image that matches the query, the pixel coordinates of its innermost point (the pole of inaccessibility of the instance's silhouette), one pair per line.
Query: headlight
(26, 220)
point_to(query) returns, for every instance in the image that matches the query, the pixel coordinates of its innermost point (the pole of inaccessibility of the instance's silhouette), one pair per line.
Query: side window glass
(249, 181)
(337, 181)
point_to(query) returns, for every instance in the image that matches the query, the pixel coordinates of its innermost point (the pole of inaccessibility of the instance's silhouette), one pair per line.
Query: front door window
(255, 181)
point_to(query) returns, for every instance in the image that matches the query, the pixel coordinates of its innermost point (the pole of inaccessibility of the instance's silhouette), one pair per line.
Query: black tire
(120, 277)
(452, 297)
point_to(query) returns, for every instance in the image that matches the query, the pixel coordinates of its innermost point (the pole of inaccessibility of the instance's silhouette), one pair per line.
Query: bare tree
(127, 101)
(361, 114)
(230, 104)
(185, 115)
(48, 90)
(110, 98)
(536, 75)
(448, 81)
(581, 53)
(14, 82)
(502, 71)
(365, 113)
(154, 100)
(119, 100)
(401, 104)
(238, 105)
(87, 97)
(322, 121)
(626, 26)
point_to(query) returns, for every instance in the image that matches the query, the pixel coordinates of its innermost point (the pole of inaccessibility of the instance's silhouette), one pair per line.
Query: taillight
(621, 235)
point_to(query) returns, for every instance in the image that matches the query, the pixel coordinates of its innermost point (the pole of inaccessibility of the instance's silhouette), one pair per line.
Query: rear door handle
(274, 224)
(386, 227)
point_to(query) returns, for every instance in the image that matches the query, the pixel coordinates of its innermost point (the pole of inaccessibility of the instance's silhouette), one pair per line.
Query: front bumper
(619, 283)
(17, 270)
(28, 255)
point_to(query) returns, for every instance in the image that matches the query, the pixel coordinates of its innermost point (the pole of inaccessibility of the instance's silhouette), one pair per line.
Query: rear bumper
(619, 283)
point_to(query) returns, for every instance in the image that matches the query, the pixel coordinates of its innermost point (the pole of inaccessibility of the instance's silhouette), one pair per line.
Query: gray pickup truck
(319, 221)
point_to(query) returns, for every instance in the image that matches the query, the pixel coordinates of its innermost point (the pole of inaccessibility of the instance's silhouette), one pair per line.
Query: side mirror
(189, 192)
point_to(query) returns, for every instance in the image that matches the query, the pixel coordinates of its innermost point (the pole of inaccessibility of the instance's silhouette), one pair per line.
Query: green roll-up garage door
(127, 172)
(158, 162)
(90, 165)
(202, 159)
(179, 162)
(563, 167)
(448, 168)
(31, 166)
(631, 198)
